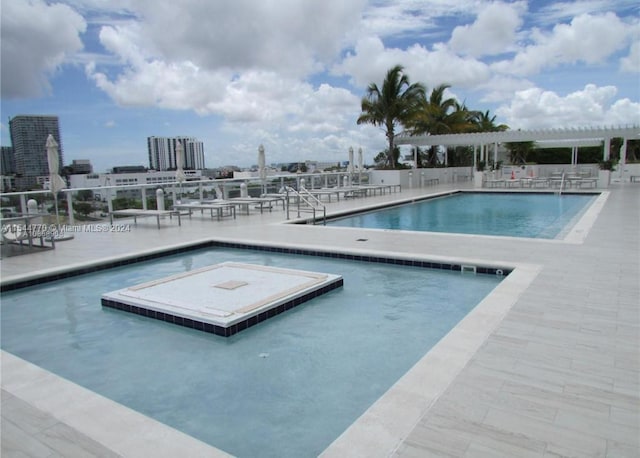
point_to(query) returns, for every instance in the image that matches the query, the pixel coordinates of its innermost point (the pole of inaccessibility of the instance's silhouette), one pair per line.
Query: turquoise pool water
(284, 388)
(531, 215)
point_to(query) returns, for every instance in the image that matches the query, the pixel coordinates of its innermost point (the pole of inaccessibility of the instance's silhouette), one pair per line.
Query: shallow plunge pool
(285, 387)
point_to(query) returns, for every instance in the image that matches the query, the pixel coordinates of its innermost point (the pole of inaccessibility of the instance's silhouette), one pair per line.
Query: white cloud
(385, 18)
(371, 60)
(243, 60)
(631, 63)
(555, 12)
(591, 106)
(265, 102)
(493, 32)
(179, 86)
(36, 39)
(588, 39)
(289, 36)
(396, 18)
(501, 88)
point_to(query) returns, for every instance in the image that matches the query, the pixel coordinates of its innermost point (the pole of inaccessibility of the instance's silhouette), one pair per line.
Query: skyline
(291, 75)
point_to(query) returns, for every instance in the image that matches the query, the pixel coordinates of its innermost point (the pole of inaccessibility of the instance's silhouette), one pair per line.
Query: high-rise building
(162, 153)
(80, 166)
(29, 138)
(7, 156)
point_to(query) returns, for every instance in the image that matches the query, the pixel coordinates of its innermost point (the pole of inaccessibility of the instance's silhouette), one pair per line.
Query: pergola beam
(572, 136)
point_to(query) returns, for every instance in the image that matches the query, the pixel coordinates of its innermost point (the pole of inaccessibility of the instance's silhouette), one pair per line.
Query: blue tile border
(367, 258)
(247, 246)
(99, 267)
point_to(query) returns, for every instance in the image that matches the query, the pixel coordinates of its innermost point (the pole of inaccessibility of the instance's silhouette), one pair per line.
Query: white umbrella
(56, 183)
(262, 169)
(360, 163)
(180, 177)
(350, 166)
(180, 162)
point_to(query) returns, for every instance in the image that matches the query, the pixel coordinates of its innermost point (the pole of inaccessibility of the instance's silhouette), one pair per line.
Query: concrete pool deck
(549, 365)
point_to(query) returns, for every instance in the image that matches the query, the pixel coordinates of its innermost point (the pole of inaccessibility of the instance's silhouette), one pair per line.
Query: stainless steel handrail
(313, 203)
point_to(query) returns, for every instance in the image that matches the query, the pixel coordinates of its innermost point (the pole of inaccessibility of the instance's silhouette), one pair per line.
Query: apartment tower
(29, 138)
(162, 153)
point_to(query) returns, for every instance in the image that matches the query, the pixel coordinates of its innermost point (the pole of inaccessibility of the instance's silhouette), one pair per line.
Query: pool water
(530, 215)
(287, 387)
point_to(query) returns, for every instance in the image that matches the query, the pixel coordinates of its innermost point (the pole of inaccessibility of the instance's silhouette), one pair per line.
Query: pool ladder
(306, 202)
(561, 183)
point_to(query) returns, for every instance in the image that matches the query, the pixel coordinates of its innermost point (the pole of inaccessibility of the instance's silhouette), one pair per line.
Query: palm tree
(519, 151)
(392, 105)
(438, 116)
(484, 122)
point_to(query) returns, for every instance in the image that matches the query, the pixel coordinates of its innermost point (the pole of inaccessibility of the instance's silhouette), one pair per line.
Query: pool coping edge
(383, 427)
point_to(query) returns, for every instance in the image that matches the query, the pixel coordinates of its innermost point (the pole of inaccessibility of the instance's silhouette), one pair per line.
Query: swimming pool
(534, 215)
(287, 387)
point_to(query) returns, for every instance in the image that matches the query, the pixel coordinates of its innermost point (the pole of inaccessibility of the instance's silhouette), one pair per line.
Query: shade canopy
(180, 176)
(56, 183)
(262, 164)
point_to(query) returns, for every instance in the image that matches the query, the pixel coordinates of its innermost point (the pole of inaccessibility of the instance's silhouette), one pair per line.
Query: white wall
(625, 173)
(415, 177)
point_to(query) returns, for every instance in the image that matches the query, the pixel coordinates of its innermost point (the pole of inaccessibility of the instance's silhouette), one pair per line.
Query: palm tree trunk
(391, 158)
(390, 137)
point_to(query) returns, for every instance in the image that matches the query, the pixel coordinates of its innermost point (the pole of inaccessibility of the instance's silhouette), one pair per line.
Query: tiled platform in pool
(225, 298)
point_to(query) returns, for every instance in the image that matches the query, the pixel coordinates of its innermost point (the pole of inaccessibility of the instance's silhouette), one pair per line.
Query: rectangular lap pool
(533, 215)
(286, 387)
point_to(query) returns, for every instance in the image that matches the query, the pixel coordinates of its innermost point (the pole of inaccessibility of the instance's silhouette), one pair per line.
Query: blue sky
(290, 74)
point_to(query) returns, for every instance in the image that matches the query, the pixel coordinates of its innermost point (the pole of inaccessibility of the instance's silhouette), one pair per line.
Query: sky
(290, 74)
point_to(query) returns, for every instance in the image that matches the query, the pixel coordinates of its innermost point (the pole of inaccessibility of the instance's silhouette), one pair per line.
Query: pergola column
(475, 157)
(607, 149)
(623, 157)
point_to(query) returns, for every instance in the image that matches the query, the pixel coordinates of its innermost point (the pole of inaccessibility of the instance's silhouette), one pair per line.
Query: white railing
(173, 191)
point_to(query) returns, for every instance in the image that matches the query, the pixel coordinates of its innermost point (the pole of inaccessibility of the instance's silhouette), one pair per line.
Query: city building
(162, 153)
(129, 169)
(96, 180)
(7, 183)
(28, 137)
(80, 166)
(8, 165)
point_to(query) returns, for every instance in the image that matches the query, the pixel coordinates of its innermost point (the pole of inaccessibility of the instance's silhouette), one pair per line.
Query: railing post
(143, 193)
(70, 207)
(23, 204)
(287, 200)
(109, 202)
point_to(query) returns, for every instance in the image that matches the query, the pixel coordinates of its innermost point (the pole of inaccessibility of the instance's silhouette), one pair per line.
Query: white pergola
(547, 138)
